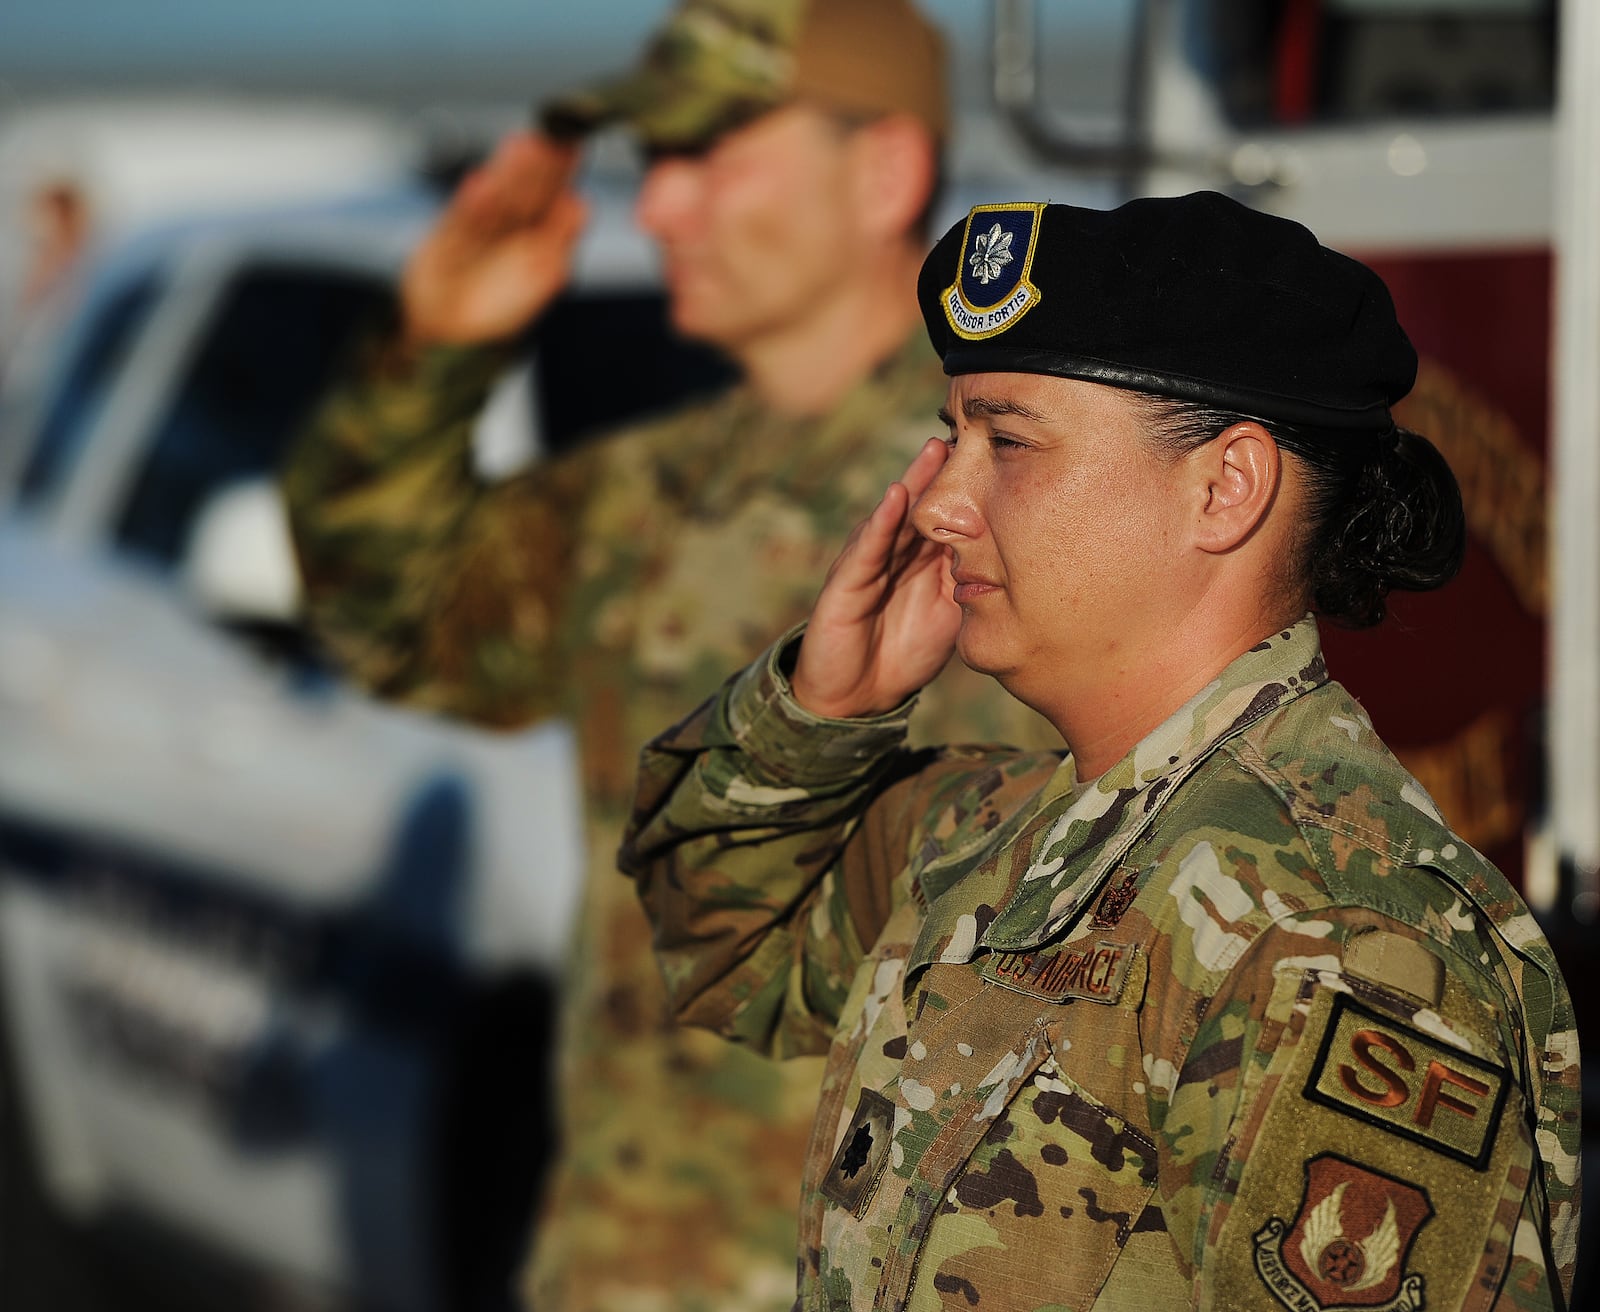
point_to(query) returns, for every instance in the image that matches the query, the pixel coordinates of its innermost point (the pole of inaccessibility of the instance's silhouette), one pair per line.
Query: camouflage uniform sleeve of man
(769, 848)
(1350, 1114)
(426, 585)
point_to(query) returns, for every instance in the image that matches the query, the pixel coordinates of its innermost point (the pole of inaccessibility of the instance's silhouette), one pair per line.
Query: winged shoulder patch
(1346, 1247)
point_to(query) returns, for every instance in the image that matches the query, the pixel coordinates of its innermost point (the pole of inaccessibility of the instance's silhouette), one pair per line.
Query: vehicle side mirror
(239, 567)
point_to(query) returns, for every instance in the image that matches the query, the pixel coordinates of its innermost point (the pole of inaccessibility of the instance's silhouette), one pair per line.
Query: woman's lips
(970, 587)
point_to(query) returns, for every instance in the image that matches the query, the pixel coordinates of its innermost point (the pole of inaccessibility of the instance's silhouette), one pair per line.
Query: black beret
(1196, 297)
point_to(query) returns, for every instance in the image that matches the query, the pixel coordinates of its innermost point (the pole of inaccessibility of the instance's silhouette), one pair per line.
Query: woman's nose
(946, 512)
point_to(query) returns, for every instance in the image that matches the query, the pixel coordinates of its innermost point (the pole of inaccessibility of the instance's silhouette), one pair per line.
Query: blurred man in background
(795, 153)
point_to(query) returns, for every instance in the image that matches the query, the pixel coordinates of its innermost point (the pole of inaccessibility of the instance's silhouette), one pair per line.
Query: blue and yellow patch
(992, 289)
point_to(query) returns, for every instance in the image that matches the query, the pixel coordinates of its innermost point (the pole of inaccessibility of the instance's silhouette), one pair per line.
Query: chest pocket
(1009, 1185)
(1044, 1205)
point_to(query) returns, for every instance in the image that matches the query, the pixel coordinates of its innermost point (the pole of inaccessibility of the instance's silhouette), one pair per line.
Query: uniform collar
(1082, 832)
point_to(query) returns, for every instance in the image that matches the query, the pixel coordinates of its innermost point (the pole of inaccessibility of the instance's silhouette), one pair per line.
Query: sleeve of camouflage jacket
(427, 585)
(767, 845)
(1334, 1138)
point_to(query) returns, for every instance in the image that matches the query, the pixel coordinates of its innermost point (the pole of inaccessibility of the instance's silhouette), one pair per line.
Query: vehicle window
(278, 336)
(89, 376)
(1304, 62)
(605, 359)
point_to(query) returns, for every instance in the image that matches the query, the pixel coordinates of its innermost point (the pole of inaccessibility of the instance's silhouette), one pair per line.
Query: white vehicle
(276, 961)
(78, 173)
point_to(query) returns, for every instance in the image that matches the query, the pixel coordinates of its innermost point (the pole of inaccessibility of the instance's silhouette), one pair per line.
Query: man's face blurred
(756, 231)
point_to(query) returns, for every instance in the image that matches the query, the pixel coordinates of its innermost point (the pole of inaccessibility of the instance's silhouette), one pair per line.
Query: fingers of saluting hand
(885, 622)
(925, 468)
(519, 184)
(502, 250)
(886, 538)
(868, 552)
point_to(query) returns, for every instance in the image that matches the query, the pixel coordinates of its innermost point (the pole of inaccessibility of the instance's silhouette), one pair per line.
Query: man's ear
(1237, 476)
(896, 165)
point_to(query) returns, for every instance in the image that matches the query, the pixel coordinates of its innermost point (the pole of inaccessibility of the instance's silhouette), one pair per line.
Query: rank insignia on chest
(1095, 972)
(992, 291)
(1115, 901)
(1347, 1246)
(1390, 1075)
(856, 1166)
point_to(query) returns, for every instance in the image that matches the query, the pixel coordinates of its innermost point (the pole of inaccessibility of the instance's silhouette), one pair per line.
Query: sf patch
(992, 289)
(855, 1169)
(1377, 1070)
(1347, 1245)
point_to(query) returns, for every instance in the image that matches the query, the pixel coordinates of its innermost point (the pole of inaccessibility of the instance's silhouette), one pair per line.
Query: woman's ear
(1237, 479)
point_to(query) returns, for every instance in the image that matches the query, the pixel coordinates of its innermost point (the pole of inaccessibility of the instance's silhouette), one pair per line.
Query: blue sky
(490, 48)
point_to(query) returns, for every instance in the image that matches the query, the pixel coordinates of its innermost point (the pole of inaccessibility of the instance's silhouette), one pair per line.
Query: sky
(405, 49)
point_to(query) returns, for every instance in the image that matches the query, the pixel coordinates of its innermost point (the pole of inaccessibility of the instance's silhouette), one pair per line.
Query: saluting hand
(885, 622)
(502, 248)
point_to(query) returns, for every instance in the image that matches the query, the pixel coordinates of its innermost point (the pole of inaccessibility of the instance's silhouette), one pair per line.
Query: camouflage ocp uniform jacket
(1239, 1025)
(615, 586)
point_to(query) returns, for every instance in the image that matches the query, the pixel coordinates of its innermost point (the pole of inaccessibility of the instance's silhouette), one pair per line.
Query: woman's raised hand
(885, 622)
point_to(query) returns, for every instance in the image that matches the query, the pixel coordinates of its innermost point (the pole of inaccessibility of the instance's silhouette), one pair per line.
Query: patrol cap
(717, 64)
(1195, 297)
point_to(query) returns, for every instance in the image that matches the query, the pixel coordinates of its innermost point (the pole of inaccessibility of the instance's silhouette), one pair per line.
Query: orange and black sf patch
(1095, 972)
(1347, 1246)
(1377, 1070)
(855, 1169)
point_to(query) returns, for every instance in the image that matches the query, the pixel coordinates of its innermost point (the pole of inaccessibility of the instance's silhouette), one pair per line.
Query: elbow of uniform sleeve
(748, 765)
(389, 403)
(739, 816)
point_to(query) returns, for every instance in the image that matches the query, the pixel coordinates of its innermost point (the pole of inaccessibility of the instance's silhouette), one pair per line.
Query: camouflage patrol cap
(1195, 297)
(717, 64)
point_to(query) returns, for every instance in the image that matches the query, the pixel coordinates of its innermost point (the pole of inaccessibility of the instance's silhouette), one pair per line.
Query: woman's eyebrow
(974, 406)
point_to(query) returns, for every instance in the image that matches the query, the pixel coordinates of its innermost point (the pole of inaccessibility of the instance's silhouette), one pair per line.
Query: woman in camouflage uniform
(1217, 1010)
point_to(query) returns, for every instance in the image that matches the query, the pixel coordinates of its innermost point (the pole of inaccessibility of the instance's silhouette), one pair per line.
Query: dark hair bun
(1401, 527)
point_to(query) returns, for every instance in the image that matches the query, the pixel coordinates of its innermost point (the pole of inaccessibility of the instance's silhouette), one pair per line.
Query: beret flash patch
(992, 290)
